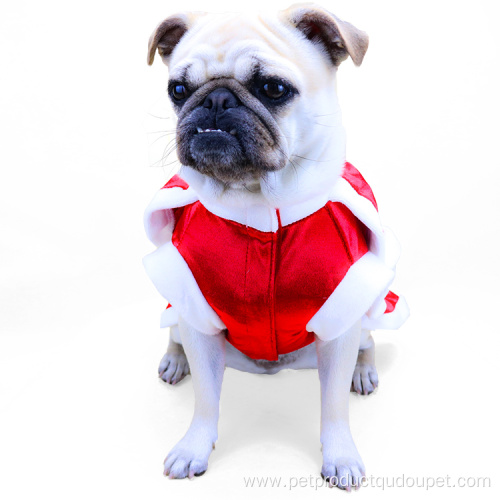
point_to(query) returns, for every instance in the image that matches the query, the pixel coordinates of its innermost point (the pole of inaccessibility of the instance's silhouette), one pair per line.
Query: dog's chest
(266, 286)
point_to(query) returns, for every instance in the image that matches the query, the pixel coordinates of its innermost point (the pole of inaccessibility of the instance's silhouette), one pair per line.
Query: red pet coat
(274, 290)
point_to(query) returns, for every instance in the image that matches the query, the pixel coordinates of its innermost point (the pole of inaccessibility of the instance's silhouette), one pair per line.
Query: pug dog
(270, 251)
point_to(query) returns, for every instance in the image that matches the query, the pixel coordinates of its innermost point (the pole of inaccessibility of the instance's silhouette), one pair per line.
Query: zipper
(275, 253)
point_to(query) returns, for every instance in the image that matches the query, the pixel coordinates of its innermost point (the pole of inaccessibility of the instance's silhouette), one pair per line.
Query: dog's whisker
(165, 157)
(163, 131)
(160, 117)
(169, 153)
(326, 125)
(311, 159)
(250, 190)
(158, 138)
(327, 114)
(294, 164)
(169, 148)
(171, 163)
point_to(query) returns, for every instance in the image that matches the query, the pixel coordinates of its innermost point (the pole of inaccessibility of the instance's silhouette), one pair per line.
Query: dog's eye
(274, 90)
(179, 92)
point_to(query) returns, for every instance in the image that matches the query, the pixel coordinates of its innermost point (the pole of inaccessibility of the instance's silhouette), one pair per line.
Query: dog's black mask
(225, 132)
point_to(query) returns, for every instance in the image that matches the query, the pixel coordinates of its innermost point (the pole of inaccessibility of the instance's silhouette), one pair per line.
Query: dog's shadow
(280, 411)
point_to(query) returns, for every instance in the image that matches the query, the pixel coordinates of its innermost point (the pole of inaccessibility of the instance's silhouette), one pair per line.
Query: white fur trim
(294, 213)
(158, 216)
(391, 256)
(264, 218)
(173, 279)
(389, 321)
(298, 190)
(362, 285)
(260, 217)
(379, 306)
(251, 210)
(392, 248)
(169, 317)
(364, 210)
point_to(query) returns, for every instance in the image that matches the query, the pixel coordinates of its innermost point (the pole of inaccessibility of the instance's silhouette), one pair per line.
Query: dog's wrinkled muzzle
(225, 132)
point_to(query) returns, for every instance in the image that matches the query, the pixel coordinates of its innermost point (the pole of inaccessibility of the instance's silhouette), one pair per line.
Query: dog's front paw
(364, 378)
(189, 457)
(174, 366)
(342, 465)
(345, 473)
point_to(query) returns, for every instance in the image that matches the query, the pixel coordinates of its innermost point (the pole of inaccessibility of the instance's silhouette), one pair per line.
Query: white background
(82, 413)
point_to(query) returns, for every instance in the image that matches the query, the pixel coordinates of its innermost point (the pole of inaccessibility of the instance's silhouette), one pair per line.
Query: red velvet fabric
(266, 286)
(358, 183)
(391, 299)
(176, 181)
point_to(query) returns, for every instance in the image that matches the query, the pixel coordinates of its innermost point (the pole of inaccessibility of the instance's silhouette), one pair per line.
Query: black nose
(219, 100)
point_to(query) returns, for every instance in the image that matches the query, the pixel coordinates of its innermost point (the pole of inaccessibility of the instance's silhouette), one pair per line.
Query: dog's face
(248, 90)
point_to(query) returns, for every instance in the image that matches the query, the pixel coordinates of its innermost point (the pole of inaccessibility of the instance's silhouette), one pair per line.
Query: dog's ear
(168, 34)
(339, 39)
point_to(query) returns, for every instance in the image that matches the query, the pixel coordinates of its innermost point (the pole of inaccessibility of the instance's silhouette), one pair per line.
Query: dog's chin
(220, 155)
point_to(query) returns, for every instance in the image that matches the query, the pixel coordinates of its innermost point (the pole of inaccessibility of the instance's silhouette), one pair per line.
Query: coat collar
(298, 190)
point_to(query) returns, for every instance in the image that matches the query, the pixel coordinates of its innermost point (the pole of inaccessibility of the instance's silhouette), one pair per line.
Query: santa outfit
(274, 277)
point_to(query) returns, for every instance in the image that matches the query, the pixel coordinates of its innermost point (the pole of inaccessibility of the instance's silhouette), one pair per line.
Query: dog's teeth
(200, 130)
(233, 132)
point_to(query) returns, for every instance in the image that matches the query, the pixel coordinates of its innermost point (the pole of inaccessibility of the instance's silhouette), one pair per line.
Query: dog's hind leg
(174, 365)
(365, 377)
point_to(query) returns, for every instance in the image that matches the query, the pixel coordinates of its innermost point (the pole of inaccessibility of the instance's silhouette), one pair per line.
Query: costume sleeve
(395, 313)
(159, 216)
(166, 267)
(364, 292)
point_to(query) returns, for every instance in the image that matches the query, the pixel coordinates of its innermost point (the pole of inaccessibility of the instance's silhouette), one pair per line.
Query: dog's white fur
(227, 45)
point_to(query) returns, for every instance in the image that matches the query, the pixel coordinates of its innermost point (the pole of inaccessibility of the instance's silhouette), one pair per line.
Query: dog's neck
(310, 173)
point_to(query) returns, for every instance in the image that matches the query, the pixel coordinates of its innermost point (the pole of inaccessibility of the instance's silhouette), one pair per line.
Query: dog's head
(249, 91)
